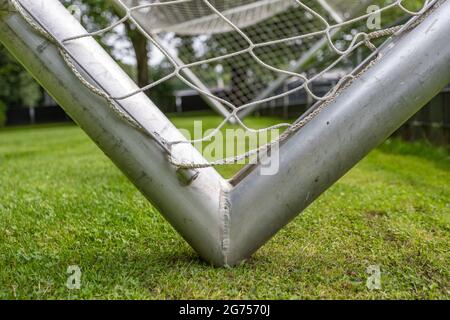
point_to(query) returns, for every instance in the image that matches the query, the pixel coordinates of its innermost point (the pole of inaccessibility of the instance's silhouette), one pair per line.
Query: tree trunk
(141, 49)
(140, 45)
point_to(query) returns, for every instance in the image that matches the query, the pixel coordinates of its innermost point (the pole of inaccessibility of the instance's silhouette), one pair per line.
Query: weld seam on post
(225, 216)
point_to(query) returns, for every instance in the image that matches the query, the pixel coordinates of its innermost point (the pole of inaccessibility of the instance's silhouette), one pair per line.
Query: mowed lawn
(62, 203)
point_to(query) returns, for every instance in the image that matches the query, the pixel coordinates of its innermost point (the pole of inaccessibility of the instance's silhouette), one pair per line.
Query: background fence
(431, 123)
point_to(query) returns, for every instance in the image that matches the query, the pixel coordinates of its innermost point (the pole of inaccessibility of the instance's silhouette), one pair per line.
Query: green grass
(63, 203)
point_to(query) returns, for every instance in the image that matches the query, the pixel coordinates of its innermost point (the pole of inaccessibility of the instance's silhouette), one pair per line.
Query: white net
(254, 47)
(202, 31)
(197, 32)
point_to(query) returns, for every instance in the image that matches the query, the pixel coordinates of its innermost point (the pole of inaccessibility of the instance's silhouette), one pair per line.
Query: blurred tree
(17, 87)
(123, 43)
(96, 14)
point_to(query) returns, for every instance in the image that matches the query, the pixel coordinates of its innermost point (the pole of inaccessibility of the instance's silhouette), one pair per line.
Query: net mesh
(244, 51)
(196, 18)
(240, 79)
